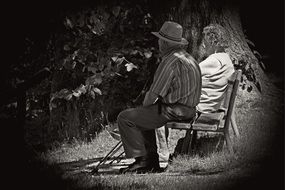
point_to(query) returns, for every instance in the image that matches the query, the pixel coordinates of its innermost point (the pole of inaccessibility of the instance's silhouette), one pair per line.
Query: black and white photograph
(142, 94)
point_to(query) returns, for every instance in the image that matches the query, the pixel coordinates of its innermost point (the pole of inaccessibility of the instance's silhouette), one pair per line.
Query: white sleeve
(209, 66)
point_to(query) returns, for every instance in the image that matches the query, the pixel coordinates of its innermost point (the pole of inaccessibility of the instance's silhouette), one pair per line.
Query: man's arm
(149, 98)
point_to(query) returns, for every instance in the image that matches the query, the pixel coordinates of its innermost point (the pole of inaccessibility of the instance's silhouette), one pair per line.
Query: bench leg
(234, 125)
(229, 143)
(187, 142)
(192, 142)
(220, 143)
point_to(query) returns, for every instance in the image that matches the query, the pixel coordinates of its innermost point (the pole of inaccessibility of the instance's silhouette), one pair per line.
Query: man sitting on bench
(216, 69)
(177, 81)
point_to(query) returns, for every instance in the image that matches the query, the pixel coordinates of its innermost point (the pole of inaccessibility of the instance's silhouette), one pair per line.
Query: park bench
(219, 121)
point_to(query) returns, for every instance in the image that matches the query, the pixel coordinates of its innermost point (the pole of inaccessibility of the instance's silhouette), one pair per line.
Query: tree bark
(194, 15)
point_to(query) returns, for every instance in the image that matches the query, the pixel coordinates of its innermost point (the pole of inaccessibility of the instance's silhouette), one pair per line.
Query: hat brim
(182, 42)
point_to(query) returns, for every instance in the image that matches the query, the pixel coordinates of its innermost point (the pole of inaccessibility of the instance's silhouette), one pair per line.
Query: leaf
(257, 54)
(97, 90)
(134, 52)
(119, 61)
(80, 90)
(250, 42)
(61, 94)
(148, 54)
(73, 64)
(116, 73)
(69, 23)
(68, 97)
(76, 94)
(130, 66)
(114, 58)
(92, 94)
(262, 65)
(94, 80)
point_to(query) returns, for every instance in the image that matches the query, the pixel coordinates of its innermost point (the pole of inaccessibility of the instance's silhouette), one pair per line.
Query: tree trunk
(194, 15)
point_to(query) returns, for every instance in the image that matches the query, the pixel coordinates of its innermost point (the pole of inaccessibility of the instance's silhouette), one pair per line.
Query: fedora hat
(171, 32)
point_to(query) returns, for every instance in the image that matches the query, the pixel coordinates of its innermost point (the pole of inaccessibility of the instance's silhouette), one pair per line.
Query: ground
(257, 161)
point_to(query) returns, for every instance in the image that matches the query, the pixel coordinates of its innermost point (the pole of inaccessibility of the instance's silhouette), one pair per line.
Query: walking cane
(116, 136)
(112, 152)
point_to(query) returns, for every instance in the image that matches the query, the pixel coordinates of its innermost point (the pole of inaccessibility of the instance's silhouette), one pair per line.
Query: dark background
(264, 25)
(262, 20)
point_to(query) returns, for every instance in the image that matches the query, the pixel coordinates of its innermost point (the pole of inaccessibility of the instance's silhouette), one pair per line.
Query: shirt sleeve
(162, 79)
(209, 66)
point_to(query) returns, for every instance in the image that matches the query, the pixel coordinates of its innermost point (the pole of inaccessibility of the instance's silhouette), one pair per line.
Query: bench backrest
(230, 95)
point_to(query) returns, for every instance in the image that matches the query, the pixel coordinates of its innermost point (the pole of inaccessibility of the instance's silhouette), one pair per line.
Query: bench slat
(208, 121)
(210, 118)
(205, 127)
(178, 125)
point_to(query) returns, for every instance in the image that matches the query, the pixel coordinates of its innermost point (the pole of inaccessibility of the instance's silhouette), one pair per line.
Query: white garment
(162, 143)
(215, 70)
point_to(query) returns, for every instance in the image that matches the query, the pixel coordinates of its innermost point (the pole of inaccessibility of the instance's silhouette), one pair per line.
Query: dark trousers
(137, 126)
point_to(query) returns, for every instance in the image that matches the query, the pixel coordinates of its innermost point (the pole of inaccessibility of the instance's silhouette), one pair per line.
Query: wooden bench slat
(205, 127)
(178, 125)
(210, 118)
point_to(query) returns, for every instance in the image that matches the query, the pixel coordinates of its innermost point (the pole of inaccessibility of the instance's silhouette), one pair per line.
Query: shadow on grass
(37, 174)
(86, 166)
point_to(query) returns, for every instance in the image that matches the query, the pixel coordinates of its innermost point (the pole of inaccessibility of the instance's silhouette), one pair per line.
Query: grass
(68, 152)
(259, 124)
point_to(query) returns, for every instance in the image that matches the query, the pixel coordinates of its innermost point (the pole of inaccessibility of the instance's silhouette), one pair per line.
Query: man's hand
(149, 98)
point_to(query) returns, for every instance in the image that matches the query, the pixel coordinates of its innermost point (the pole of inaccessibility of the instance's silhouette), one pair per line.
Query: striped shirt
(178, 79)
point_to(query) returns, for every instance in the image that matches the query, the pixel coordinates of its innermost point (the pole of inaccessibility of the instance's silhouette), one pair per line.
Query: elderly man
(173, 95)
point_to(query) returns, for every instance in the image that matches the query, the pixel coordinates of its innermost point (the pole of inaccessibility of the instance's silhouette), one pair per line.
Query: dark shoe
(144, 164)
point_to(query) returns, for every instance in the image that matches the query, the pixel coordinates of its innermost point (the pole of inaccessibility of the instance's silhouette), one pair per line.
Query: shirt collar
(170, 50)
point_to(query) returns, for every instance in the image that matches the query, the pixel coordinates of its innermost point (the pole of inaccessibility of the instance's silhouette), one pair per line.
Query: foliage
(249, 75)
(108, 55)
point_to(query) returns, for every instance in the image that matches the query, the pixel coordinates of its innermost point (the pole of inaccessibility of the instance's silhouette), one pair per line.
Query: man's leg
(137, 130)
